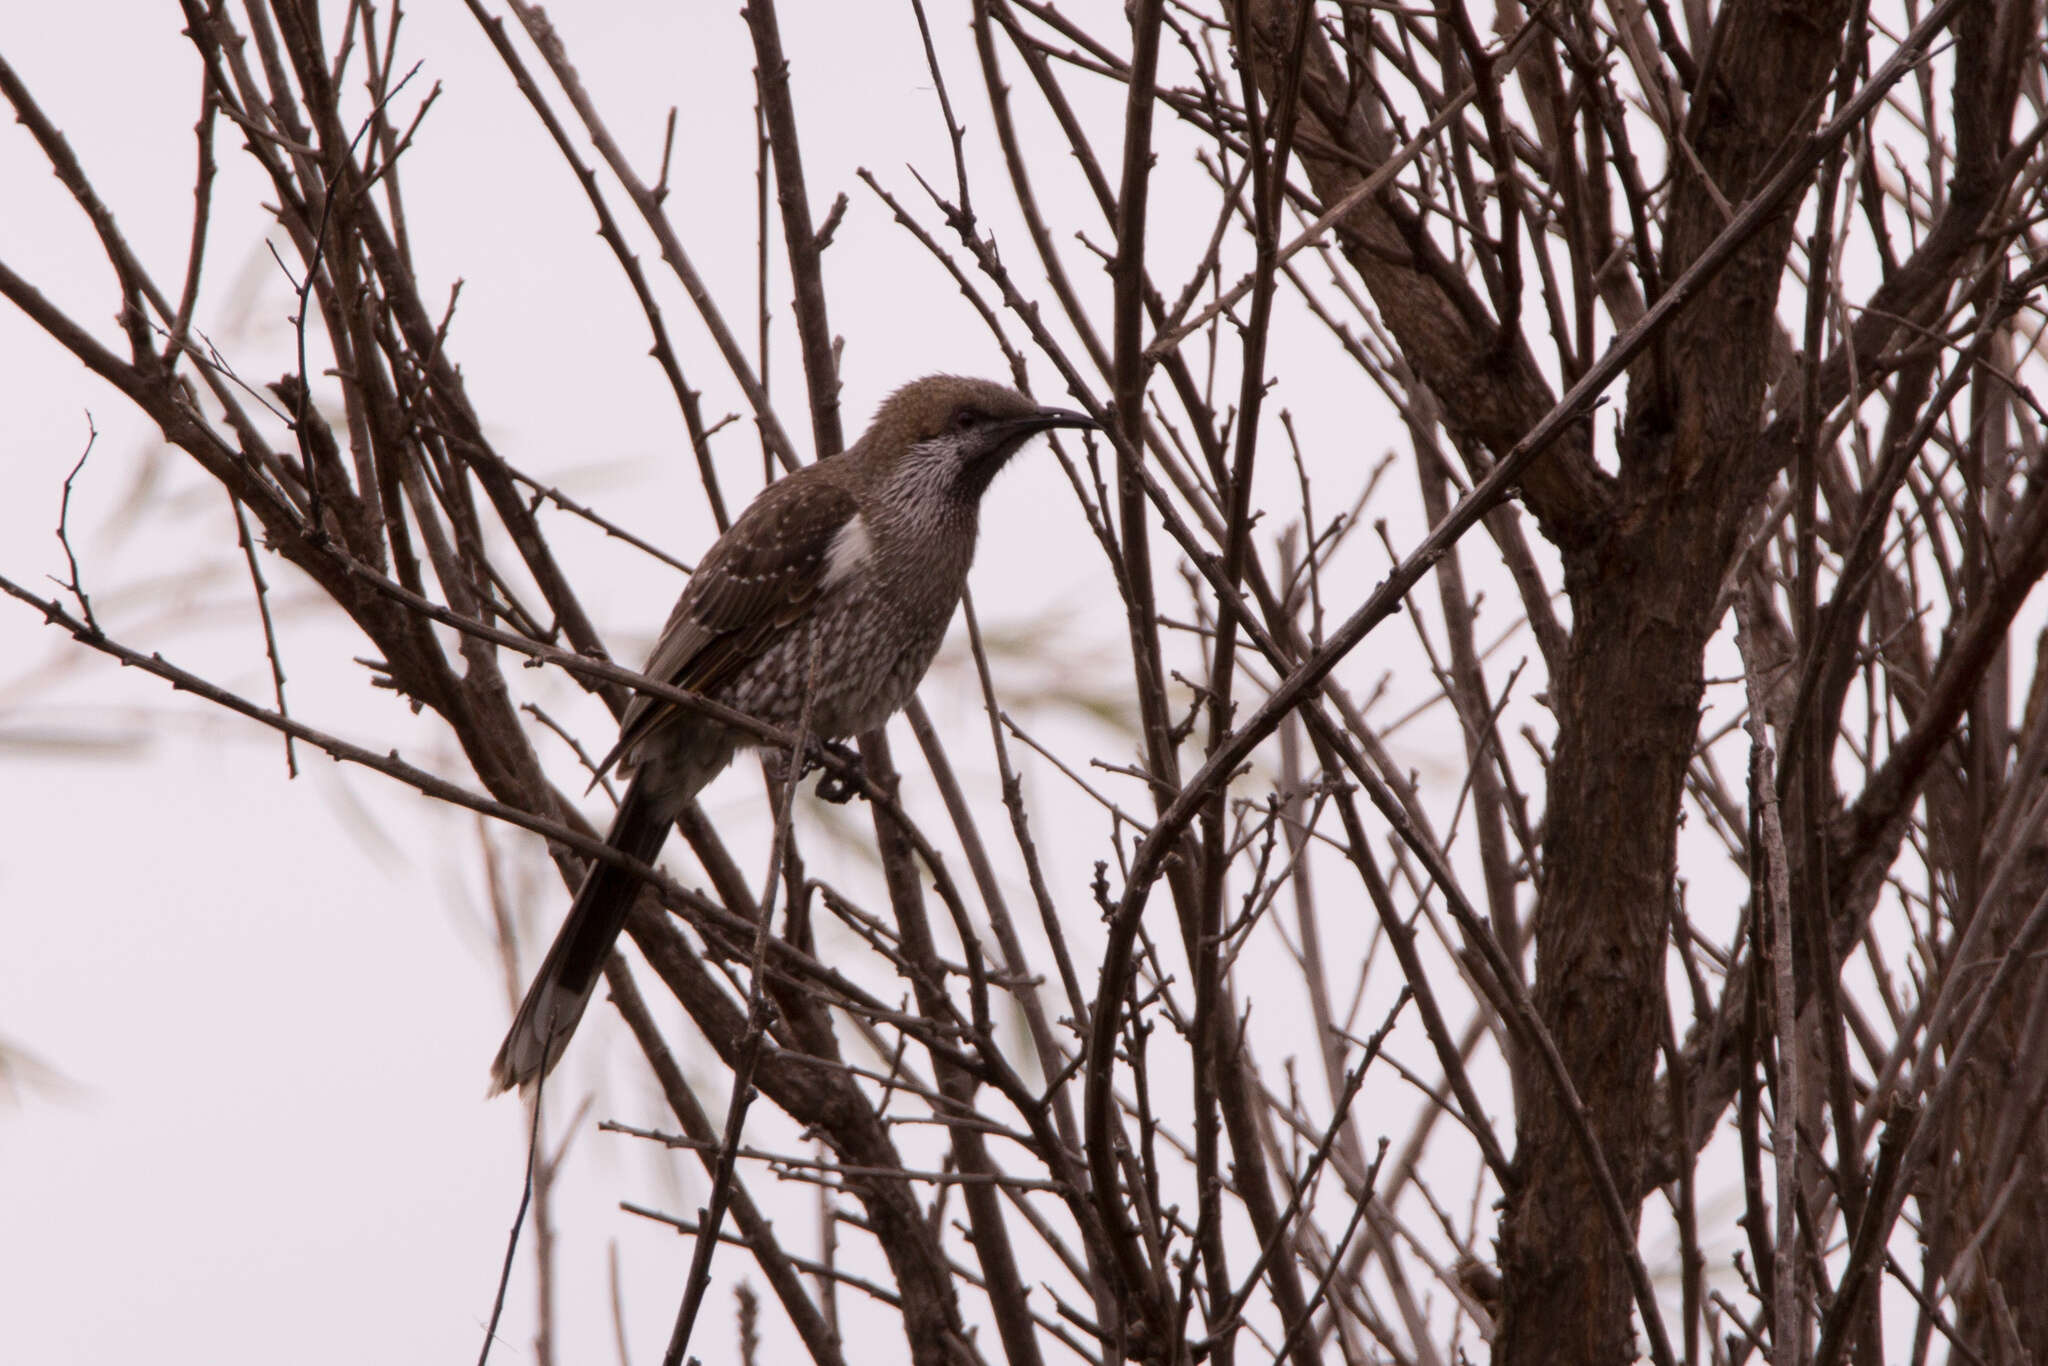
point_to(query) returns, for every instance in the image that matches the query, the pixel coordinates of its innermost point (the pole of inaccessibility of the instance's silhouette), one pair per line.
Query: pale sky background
(267, 1007)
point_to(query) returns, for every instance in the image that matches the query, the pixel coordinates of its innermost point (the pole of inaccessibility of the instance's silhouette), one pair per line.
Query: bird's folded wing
(752, 584)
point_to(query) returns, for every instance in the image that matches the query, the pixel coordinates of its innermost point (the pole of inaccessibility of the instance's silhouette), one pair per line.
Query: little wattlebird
(847, 572)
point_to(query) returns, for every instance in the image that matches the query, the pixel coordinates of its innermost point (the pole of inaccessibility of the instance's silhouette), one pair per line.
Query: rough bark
(1644, 557)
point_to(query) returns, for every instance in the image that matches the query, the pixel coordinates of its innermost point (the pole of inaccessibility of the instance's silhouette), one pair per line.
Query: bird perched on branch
(855, 563)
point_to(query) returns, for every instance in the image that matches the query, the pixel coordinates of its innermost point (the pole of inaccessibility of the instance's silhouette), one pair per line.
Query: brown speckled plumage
(866, 552)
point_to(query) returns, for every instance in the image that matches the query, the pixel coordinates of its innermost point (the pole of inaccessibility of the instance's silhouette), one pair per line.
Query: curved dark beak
(1045, 419)
(1003, 439)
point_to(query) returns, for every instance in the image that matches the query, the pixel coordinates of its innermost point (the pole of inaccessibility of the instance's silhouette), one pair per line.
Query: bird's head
(947, 436)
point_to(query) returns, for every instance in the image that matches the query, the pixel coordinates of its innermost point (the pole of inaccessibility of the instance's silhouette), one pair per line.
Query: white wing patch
(851, 548)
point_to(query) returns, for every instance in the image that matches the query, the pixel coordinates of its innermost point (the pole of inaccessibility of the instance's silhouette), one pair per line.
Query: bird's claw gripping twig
(837, 786)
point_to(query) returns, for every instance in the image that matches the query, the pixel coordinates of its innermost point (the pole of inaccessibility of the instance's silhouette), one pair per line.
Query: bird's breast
(873, 639)
(878, 645)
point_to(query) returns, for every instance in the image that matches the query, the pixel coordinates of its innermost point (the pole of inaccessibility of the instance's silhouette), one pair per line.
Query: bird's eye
(966, 420)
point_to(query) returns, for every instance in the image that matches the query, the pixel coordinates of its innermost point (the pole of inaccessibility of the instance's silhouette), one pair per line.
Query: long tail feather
(568, 975)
